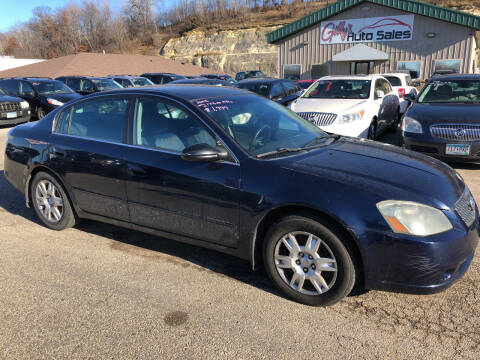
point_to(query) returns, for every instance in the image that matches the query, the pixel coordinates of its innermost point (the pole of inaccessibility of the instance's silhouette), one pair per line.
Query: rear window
(256, 87)
(394, 80)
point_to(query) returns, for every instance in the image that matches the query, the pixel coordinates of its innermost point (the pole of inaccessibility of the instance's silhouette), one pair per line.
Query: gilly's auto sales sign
(386, 28)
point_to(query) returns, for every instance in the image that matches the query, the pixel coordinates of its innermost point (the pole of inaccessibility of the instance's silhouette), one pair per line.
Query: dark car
(226, 169)
(42, 94)
(280, 90)
(162, 78)
(254, 74)
(204, 81)
(444, 119)
(240, 75)
(85, 85)
(128, 81)
(224, 77)
(13, 110)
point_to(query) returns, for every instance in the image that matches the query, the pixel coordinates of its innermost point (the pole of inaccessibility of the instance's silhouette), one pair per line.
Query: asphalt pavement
(99, 291)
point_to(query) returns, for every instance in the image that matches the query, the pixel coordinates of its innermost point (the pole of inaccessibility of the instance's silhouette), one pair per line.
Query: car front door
(88, 152)
(384, 116)
(198, 200)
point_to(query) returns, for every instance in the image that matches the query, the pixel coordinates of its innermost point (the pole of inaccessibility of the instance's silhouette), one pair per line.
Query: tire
(372, 130)
(284, 263)
(40, 113)
(42, 198)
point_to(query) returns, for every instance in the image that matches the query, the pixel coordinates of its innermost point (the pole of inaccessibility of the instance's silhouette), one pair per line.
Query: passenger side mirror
(379, 94)
(203, 153)
(409, 97)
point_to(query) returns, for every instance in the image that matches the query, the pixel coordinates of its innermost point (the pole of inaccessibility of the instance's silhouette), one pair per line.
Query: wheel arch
(315, 214)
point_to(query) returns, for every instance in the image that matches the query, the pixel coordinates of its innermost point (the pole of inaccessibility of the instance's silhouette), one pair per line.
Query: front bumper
(436, 147)
(24, 116)
(416, 265)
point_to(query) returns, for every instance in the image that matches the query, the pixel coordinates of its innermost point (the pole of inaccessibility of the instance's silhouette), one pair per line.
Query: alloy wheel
(49, 201)
(305, 263)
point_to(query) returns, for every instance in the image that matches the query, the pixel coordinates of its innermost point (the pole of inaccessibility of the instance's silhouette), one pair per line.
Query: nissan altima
(444, 120)
(229, 170)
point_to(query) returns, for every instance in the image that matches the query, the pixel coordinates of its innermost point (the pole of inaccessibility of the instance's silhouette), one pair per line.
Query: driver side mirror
(379, 94)
(203, 153)
(409, 97)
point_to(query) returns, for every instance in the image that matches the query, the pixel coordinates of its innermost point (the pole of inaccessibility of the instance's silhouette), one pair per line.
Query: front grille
(318, 118)
(465, 207)
(6, 107)
(424, 149)
(460, 132)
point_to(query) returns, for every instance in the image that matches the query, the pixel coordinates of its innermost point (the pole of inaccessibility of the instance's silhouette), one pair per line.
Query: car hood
(386, 170)
(334, 106)
(7, 98)
(64, 98)
(445, 113)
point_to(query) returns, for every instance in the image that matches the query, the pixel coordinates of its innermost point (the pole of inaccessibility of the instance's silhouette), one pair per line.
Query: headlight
(348, 118)
(54, 102)
(292, 105)
(406, 217)
(24, 105)
(411, 125)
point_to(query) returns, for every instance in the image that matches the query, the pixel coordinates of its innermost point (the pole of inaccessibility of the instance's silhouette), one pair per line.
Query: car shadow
(13, 201)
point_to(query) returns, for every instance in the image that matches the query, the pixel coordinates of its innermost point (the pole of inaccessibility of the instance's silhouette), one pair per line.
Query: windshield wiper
(279, 151)
(322, 137)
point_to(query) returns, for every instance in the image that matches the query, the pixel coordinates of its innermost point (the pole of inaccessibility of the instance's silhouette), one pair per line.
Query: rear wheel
(40, 113)
(308, 262)
(51, 203)
(372, 130)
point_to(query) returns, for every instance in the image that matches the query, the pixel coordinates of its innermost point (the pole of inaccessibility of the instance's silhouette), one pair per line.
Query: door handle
(136, 171)
(59, 153)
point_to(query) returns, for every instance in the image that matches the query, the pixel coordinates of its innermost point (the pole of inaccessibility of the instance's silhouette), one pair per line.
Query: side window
(101, 119)
(383, 85)
(290, 88)
(63, 121)
(26, 89)
(10, 86)
(277, 91)
(162, 125)
(86, 85)
(409, 81)
(74, 83)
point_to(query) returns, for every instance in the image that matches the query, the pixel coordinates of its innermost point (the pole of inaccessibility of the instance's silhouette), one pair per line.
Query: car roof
(160, 73)
(263, 80)
(351, 77)
(124, 76)
(36, 79)
(186, 92)
(457, 77)
(304, 81)
(395, 74)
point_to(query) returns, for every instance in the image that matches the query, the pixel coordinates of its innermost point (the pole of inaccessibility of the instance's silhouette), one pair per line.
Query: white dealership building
(376, 36)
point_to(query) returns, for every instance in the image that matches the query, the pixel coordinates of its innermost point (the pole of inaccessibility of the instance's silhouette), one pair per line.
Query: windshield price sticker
(214, 105)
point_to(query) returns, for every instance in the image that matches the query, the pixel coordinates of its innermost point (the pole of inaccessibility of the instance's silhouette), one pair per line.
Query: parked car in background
(304, 84)
(224, 77)
(232, 171)
(204, 81)
(13, 110)
(254, 74)
(85, 85)
(279, 90)
(240, 75)
(42, 94)
(194, 77)
(162, 78)
(444, 119)
(402, 84)
(360, 106)
(128, 81)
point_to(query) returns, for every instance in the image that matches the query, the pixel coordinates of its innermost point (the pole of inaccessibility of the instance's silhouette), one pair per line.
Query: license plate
(457, 149)
(11, 115)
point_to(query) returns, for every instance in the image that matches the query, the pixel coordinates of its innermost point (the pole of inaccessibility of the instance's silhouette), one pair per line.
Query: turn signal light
(401, 92)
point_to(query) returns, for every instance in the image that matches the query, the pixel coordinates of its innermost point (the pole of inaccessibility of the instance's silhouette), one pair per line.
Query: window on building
(319, 71)
(413, 68)
(291, 72)
(447, 66)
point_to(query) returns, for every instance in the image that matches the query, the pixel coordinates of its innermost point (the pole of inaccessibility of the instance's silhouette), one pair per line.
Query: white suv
(402, 84)
(359, 106)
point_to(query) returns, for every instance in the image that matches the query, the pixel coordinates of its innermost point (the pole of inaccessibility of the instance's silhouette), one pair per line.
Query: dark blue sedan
(229, 170)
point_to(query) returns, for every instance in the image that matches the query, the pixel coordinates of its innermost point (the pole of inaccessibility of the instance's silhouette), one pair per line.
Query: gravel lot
(99, 291)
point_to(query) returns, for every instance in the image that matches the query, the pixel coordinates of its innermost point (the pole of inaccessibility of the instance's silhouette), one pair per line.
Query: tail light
(401, 92)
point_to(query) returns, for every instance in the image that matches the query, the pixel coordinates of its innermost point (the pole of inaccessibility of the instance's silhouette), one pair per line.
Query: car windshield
(454, 91)
(51, 87)
(255, 86)
(256, 74)
(304, 84)
(260, 126)
(339, 89)
(2, 92)
(106, 84)
(394, 80)
(142, 82)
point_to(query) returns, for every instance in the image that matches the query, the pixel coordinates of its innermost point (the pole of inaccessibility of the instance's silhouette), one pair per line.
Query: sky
(17, 11)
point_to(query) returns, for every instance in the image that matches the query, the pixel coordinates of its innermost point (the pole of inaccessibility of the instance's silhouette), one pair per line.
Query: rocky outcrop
(227, 51)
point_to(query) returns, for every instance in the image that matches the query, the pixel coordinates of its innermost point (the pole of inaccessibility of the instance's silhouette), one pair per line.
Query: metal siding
(451, 42)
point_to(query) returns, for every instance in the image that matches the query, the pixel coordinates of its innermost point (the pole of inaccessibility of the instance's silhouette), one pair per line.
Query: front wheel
(40, 113)
(308, 262)
(372, 130)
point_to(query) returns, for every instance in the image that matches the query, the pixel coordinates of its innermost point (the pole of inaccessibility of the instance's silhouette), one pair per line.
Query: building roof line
(412, 6)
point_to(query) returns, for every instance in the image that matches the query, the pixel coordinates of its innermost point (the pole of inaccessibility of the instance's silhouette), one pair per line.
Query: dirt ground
(98, 291)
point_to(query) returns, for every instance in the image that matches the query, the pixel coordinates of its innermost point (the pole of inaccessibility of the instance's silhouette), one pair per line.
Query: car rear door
(194, 199)
(88, 151)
